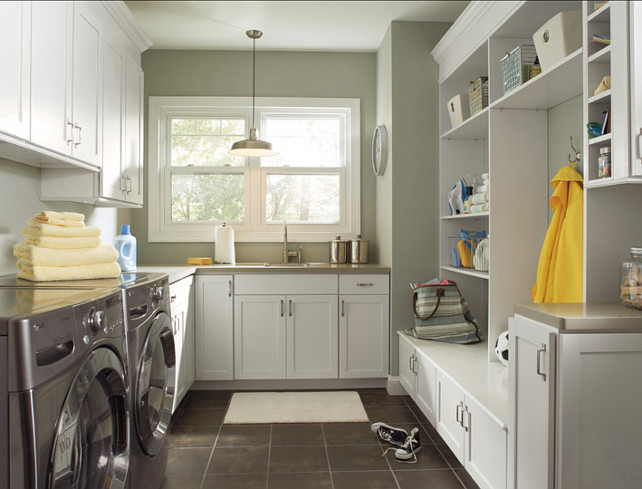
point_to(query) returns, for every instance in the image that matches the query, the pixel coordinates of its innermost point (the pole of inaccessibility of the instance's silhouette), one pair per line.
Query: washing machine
(152, 374)
(64, 397)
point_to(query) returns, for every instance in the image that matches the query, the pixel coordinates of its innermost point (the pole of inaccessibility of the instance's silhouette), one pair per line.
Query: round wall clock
(379, 150)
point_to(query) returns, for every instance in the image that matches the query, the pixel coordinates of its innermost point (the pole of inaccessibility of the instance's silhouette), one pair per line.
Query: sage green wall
(407, 196)
(279, 74)
(564, 120)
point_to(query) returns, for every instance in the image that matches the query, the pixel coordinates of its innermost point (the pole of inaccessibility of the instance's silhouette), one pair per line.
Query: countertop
(591, 317)
(177, 272)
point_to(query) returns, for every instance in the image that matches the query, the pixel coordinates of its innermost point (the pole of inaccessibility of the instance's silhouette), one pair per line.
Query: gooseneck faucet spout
(287, 254)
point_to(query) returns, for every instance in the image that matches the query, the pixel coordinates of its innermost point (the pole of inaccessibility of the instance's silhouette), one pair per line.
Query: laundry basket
(516, 66)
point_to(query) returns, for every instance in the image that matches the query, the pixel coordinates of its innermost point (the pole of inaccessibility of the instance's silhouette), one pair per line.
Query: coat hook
(577, 154)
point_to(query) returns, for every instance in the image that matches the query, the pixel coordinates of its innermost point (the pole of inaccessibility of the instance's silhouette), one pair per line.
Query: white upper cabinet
(66, 91)
(133, 163)
(51, 76)
(636, 89)
(15, 42)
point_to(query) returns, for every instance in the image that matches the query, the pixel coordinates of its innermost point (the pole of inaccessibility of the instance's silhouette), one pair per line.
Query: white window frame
(255, 229)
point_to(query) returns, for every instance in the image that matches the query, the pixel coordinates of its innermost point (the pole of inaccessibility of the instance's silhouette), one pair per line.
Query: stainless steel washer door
(90, 449)
(155, 384)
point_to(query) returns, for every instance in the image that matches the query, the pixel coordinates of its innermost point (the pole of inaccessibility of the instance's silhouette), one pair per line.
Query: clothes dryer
(152, 360)
(63, 389)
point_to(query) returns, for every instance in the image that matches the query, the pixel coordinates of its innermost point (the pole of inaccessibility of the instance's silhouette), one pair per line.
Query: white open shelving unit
(508, 140)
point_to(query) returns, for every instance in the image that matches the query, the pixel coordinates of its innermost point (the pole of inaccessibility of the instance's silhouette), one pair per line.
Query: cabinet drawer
(363, 284)
(288, 283)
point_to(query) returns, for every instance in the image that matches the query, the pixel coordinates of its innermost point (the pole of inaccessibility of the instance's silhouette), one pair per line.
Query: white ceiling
(287, 25)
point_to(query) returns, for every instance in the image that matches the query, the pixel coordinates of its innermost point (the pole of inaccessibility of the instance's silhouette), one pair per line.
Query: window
(194, 184)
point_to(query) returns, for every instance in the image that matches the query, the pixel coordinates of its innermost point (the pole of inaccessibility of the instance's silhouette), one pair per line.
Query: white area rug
(295, 407)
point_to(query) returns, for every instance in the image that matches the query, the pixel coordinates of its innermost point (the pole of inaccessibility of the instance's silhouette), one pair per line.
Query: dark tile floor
(204, 453)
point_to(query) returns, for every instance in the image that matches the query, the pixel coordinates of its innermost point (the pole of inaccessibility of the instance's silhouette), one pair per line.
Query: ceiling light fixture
(253, 146)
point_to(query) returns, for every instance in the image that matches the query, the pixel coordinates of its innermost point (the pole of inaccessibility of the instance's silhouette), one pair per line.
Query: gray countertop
(177, 272)
(584, 317)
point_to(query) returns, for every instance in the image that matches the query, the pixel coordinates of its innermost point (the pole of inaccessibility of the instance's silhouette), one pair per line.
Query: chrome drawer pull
(365, 284)
(539, 362)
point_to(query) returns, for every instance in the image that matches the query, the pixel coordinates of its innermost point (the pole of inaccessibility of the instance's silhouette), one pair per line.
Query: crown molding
(129, 24)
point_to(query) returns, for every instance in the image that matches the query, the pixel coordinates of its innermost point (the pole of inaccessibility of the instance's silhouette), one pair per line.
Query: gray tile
(391, 414)
(298, 459)
(353, 458)
(239, 435)
(192, 436)
(297, 434)
(199, 417)
(441, 478)
(381, 479)
(248, 460)
(349, 434)
(187, 460)
(449, 456)
(467, 480)
(310, 480)
(420, 416)
(235, 481)
(207, 399)
(381, 399)
(182, 482)
(432, 432)
(427, 458)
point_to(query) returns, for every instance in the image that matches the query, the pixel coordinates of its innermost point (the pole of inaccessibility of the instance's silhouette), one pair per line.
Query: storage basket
(458, 109)
(478, 94)
(516, 66)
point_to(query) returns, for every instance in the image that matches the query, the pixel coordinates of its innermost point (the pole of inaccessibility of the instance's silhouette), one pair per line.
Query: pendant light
(253, 146)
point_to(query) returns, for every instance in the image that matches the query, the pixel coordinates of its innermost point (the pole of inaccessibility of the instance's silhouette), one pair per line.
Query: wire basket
(468, 253)
(516, 66)
(478, 95)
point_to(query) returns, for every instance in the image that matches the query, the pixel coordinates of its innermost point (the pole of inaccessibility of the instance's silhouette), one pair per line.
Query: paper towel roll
(224, 248)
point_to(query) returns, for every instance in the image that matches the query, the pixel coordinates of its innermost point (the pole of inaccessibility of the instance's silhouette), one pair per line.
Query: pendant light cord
(253, 80)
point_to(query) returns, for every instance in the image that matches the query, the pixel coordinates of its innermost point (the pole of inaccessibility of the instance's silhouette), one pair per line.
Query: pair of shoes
(409, 444)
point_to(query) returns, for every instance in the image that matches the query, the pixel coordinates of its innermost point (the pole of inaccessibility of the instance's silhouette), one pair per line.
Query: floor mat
(295, 407)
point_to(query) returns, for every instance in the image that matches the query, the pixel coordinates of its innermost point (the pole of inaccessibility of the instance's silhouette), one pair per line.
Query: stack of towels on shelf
(58, 246)
(480, 200)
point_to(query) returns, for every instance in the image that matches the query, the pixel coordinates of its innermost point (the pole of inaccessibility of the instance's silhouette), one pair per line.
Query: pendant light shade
(253, 146)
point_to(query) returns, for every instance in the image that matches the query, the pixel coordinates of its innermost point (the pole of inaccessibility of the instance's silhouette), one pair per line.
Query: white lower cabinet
(278, 337)
(475, 437)
(214, 332)
(182, 314)
(575, 399)
(417, 374)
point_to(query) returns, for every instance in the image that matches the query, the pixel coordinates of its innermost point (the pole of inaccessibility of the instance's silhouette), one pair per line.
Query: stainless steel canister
(338, 250)
(359, 250)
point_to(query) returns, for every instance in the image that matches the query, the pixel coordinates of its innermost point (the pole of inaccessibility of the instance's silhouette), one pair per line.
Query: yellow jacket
(560, 269)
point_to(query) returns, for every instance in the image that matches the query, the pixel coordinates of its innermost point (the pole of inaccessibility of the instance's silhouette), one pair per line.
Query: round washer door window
(155, 383)
(90, 448)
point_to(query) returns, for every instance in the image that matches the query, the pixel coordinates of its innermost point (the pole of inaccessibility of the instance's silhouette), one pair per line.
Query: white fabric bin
(458, 109)
(558, 38)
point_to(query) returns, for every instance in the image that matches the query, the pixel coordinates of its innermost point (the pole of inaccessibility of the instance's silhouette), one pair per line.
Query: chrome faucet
(287, 254)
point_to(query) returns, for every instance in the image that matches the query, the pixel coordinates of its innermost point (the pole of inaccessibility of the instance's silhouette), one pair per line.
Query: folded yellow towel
(35, 255)
(67, 223)
(78, 272)
(59, 243)
(42, 229)
(45, 216)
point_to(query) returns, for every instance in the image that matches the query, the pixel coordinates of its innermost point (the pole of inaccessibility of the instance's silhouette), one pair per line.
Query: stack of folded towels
(480, 200)
(58, 246)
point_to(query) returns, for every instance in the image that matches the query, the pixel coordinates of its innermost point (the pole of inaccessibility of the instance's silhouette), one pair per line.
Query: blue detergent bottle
(125, 244)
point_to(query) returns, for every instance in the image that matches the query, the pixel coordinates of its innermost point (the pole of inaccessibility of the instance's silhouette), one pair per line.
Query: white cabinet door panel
(134, 132)
(51, 64)
(15, 55)
(532, 397)
(214, 328)
(426, 394)
(364, 336)
(600, 434)
(259, 337)
(485, 447)
(406, 372)
(450, 407)
(312, 337)
(87, 86)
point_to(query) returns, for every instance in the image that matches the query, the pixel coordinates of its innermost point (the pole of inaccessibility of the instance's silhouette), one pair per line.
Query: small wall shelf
(466, 271)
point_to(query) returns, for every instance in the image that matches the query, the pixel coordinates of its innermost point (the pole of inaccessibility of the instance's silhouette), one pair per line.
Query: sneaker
(407, 453)
(390, 434)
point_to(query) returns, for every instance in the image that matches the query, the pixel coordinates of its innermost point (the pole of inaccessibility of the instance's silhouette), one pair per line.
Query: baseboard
(289, 384)
(394, 387)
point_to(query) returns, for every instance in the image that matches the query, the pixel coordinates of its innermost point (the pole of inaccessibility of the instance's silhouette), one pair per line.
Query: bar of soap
(199, 261)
